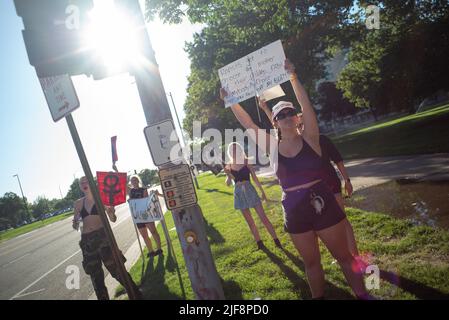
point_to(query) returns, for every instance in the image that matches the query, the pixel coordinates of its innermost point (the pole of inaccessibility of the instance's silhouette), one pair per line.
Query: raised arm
(311, 130)
(256, 133)
(263, 105)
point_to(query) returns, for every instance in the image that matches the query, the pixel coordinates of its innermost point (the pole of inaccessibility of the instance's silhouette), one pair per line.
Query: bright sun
(112, 35)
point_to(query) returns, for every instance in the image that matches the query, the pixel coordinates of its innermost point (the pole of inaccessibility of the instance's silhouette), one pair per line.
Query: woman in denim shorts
(245, 196)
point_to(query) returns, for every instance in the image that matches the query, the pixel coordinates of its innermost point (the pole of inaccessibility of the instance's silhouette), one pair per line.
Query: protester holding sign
(310, 209)
(94, 244)
(245, 196)
(137, 192)
(330, 153)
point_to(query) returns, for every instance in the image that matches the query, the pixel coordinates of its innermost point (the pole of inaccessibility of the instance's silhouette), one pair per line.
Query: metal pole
(21, 191)
(101, 210)
(206, 283)
(184, 141)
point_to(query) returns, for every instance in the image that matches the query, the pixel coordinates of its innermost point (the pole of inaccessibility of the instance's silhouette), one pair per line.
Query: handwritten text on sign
(145, 210)
(254, 73)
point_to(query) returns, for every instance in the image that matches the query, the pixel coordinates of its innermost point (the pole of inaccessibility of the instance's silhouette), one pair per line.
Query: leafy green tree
(74, 192)
(41, 206)
(149, 177)
(12, 210)
(332, 102)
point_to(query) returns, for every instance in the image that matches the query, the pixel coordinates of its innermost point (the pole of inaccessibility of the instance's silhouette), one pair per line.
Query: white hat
(281, 105)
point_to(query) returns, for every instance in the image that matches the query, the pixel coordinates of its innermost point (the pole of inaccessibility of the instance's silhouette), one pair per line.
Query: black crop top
(136, 193)
(93, 211)
(241, 175)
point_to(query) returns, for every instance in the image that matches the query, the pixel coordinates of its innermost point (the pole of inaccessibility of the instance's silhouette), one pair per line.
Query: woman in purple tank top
(310, 208)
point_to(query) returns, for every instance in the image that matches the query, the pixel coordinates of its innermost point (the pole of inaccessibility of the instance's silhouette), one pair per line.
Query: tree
(41, 206)
(74, 192)
(12, 210)
(236, 28)
(395, 67)
(332, 102)
(149, 177)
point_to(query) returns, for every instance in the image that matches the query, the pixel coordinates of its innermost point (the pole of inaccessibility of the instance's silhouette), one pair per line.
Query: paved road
(372, 171)
(33, 266)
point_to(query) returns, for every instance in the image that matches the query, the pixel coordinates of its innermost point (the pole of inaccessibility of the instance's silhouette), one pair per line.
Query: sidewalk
(373, 171)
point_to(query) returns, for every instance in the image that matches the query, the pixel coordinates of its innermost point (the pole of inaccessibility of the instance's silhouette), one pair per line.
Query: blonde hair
(138, 179)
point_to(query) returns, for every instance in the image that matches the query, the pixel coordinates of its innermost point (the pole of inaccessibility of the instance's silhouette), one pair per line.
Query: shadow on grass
(232, 290)
(332, 291)
(213, 234)
(421, 291)
(153, 282)
(220, 191)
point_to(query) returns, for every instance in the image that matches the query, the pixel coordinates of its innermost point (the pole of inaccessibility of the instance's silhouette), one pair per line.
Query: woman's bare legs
(252, 226)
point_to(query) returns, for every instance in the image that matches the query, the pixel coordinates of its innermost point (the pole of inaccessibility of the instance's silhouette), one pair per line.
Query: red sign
(112, 186)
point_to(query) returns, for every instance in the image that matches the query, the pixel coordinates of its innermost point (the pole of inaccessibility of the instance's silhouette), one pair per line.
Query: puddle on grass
(425, 203)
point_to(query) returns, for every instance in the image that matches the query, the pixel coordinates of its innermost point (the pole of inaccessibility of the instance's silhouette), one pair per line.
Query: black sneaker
(151, 254)
(260, 245)
(277, 243)
(158, 252)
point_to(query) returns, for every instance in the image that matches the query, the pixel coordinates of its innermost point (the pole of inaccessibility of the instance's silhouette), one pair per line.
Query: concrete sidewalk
(373, 171)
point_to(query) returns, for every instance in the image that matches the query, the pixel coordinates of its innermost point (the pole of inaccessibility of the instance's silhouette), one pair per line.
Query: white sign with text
(60, 95)
(256, 72)
(145, 210)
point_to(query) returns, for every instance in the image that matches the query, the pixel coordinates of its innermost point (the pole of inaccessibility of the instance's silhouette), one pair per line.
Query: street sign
(177, 186)
(60, 95)
(163, 143)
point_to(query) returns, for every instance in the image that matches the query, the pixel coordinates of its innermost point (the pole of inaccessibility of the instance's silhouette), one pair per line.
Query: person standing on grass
(331, 154)
(94, 244)
(310, 208)
(136, 192)
(245, 196)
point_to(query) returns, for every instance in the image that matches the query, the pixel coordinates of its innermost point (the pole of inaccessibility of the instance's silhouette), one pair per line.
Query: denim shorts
(314, 208)
(245, 196)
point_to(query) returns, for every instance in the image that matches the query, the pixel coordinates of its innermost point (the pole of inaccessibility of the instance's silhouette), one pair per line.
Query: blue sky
(41, 151)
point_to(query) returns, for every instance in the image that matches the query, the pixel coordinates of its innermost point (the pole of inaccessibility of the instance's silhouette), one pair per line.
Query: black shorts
(310, 209)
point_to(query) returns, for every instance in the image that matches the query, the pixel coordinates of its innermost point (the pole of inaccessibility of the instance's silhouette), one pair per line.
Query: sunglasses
(287, 114)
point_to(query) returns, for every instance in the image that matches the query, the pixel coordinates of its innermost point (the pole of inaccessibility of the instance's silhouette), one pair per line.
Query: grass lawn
(5, 235)
(425, 132)
(414, 259)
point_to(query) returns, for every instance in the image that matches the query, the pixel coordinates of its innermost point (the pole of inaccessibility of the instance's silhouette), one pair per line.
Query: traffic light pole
(101, 210)
(189, 223)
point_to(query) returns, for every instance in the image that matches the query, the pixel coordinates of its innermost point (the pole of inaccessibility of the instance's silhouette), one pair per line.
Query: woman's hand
(262, 104)
(348, 187)
(289, 67)
(223, 93)
(111, 213)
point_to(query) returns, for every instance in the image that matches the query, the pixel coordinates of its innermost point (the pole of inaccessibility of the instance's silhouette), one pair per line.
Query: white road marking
(30, 293)
(15, 260)
(44, 275)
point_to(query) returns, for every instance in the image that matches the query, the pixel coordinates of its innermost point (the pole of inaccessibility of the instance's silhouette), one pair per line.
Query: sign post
(206, 283)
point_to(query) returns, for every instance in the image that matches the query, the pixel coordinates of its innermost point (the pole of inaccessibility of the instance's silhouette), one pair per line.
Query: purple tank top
(303, 168)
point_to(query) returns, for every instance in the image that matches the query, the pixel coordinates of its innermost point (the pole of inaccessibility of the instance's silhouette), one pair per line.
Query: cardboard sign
(254, 73)
(112, 187)
(145, 210)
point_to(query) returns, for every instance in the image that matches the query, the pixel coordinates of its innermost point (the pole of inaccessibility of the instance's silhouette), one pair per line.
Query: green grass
(419, 255)
(421, 133)
(5, 235)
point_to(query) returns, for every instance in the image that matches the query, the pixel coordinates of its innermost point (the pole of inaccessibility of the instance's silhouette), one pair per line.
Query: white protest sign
(60, 95)
(254, 73)
(145, 210)
(272, 93)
